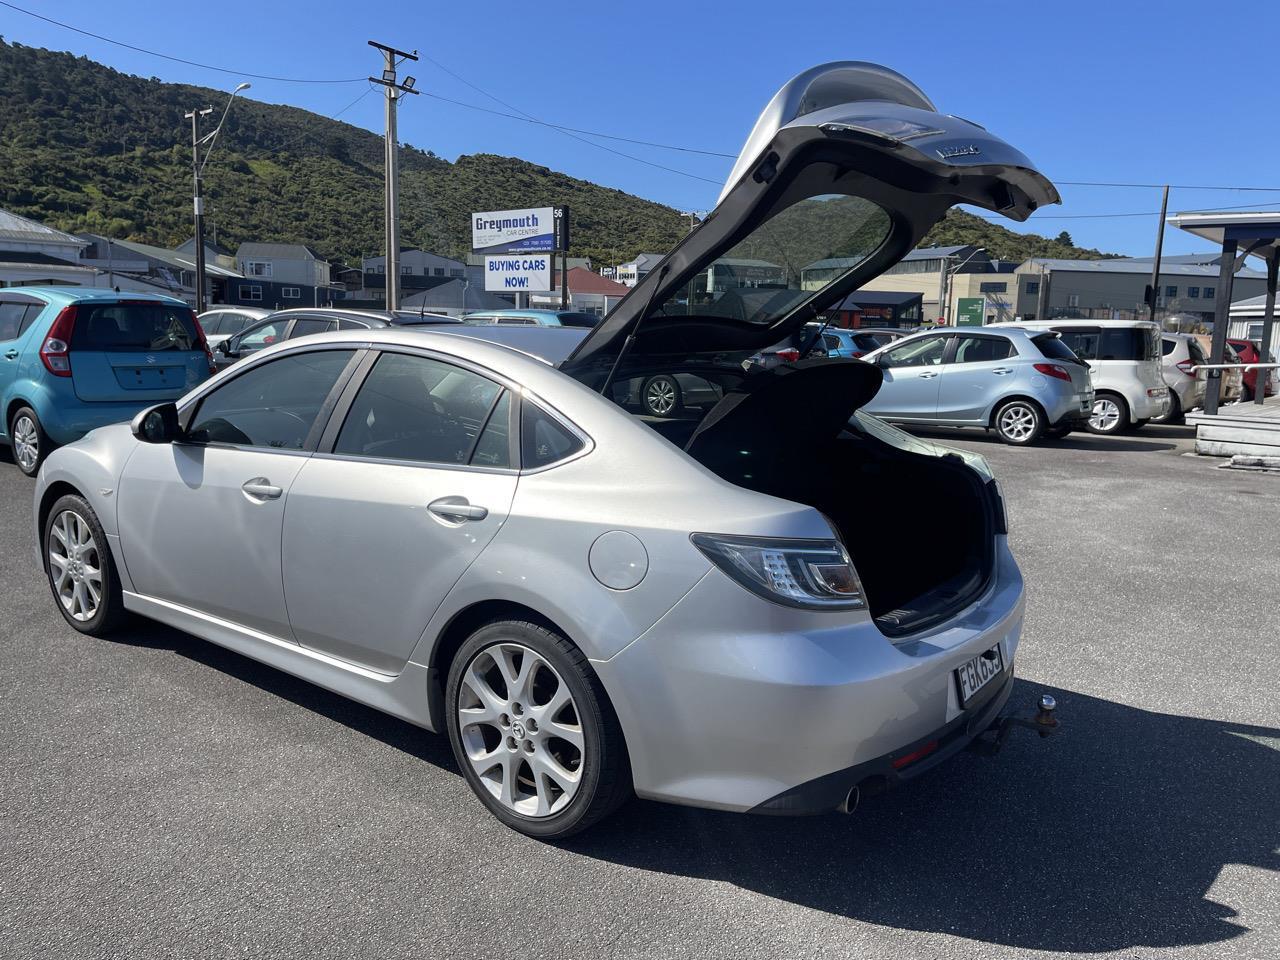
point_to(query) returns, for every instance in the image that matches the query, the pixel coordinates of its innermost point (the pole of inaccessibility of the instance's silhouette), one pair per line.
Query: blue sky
(1117, 92)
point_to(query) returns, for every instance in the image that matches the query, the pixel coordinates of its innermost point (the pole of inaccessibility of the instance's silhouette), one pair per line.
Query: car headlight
(813, 574)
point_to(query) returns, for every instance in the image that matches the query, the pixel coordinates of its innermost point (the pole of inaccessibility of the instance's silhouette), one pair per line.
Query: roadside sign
(504, 231)
(970, 311)
(517, 272)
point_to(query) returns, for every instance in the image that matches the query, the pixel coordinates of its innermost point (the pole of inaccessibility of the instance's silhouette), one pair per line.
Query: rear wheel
(81, 572)
(1019, 422)
(1110, 414)
(661, 396)
(30, 443)
(1174, 414)
(533, 732)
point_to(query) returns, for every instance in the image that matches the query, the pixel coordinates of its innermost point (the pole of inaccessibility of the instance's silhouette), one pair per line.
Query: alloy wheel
(520, 729)
(26, 442)
(1105, 416)
(1017, 422)
(75, 566)
(660, 396)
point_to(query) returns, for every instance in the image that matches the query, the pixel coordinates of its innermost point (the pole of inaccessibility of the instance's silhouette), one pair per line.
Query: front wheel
(30, 443)
(661, 396)
(1110, 415)
(80, 570)
(533, 732)
(1019, 422)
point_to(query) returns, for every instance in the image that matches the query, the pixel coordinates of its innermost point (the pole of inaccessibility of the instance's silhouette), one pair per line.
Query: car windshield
(138, 326)
(784, 261)
(409, 318)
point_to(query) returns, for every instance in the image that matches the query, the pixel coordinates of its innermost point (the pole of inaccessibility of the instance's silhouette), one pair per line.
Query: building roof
(170, 257)
(30, 256)
(1252, 307)
(284, 251)
(877, 298)
(1134, 266)
(582, 280)
(937, 253)
(454, 294)
(1247, 226)
(14, 227)
(643, 261)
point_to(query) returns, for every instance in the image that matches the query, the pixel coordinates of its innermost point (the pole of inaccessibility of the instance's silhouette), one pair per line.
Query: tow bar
(1045, 723)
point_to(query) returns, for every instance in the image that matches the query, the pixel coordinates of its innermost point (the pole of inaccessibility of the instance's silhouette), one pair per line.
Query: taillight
(1186, 367)
(788, 356)
(203, 342)
(907, 759)
(859, 355)
(55, 352)
(1053, 370)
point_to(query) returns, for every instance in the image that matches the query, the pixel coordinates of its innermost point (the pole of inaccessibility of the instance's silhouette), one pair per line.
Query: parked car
(1232, 389)
(1250, 352)
(72, 359)
(1181, 355)
(303, 321)
(219, 323)
(1022, 384)
(593, 604)
(542, 318)
(883, 335)
(839, 342)
(1124, 366)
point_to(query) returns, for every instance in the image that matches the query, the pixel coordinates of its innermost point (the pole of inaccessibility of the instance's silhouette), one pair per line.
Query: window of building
(1170, 291)
(1033, 288)
(250, 292)
(438, 272)
(291, 293)
(405, 271)
(1210, 292)
(1073, 300)
(993, 287)
(380, 269)
(258, 268)
(455, 272)
(1193, 292)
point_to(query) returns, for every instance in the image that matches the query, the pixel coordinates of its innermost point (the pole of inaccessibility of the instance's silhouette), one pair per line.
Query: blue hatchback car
(72, 359)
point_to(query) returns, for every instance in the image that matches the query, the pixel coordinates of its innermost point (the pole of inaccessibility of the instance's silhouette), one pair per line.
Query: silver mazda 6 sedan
(594, 603)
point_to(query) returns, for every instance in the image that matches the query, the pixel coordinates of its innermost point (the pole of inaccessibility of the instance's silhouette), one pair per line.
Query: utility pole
(1155, 267)
(395, 90)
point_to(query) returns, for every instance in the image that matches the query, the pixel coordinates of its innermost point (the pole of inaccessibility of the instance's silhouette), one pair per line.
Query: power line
(165, 56)
(1145, 213)
(1160, 186)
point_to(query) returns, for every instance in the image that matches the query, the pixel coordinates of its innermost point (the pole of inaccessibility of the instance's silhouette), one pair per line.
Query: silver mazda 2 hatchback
(594, 603)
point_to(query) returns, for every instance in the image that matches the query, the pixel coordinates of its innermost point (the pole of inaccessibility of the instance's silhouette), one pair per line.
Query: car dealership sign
(504, 231)
(518, 272)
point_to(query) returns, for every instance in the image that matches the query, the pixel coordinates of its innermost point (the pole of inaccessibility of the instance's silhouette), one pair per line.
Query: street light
(197, 171)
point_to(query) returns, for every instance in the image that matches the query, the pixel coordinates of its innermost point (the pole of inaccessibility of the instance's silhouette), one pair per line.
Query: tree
(1065, 239)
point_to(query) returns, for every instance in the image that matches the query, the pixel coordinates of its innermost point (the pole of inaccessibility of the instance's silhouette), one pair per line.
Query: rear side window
(865, 342)
(212, 322)
(1082, 341)
(1196, 352)
(11, 315)
(982, 350)
(274, 405)
(1053, 348)
(308, 325)
(133, 327)
(233, 323)
(543, 439)
(1167, 347)
(1126, 343)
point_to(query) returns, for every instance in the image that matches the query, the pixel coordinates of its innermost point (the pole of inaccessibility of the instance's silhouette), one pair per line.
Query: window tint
(415, 408)
(1196, 352)
(212, 322)
(494, 447)
(578, 319)
(11, 315)
(344, 324)
(982, 350)
(306, 325)
(866, 343)
(917, 353)
(1053, 348)
(33, 310)
(273, 405)
(512, 321)
(265, 335)
(831, 341)
(542, 438)
(137, 327)
(1127, 343)
(233, 323)
(1082, 341)
(1167, 346)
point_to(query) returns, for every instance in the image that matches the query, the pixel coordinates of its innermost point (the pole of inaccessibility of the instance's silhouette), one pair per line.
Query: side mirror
(882, 361)
(228, 347)
(158, 424)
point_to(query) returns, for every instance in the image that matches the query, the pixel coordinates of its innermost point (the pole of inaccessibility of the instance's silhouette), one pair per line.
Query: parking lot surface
(163, 797)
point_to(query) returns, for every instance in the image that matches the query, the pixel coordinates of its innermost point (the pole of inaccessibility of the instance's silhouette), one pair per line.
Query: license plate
(979, 672)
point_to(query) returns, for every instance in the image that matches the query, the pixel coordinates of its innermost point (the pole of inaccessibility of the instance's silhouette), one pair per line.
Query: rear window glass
(1196, 352)
(1082, 341)
(1053, 348)
(578, 319)
(1127, 343)
(137, 327)
(1168, 346)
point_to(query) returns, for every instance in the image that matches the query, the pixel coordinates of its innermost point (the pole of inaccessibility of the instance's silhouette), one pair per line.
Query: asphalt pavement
(161, 797)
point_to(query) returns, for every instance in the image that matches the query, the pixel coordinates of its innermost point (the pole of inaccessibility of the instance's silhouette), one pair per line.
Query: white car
(1182, 353)
(1124, 365)
(219, 323)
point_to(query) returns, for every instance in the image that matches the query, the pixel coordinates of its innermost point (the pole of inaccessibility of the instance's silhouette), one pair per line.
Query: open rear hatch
(846, 169)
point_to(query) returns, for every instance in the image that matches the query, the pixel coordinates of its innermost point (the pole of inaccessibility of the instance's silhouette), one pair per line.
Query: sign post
(971, 311)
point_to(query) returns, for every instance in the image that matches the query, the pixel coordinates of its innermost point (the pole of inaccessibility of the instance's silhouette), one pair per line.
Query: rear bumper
(67, 423)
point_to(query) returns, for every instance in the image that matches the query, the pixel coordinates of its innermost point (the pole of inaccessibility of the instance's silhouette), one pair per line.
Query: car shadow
(1107, 836)
(1166, 439)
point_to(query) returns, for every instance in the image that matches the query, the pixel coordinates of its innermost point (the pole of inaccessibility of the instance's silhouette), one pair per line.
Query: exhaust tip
(850, 802)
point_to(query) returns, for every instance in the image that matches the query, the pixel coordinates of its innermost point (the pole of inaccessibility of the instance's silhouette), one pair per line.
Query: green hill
(86, 148)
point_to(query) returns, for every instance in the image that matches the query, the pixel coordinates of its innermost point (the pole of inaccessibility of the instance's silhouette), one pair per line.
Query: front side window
(982, 350)
(133, 327)
(274, 405)
(212, 322)
(925, 352)
(785, 261)
(233, 323)
(264, 336)
(420, 409)
(1082, 341)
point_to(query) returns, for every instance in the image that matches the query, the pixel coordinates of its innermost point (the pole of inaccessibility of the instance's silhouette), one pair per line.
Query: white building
(290, 263)
(633, 271)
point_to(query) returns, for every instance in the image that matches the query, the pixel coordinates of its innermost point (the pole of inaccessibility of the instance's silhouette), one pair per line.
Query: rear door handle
(1002, 370)
(457, 509)
(260, 488)
(928, 375)
(11, 354)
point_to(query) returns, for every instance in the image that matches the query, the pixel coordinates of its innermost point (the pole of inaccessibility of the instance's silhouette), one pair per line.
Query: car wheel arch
(51, 495)
(995, 407)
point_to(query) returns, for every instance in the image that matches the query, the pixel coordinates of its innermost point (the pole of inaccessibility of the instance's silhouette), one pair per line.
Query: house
(588, 293)
(157, 269)
(633, 271)
(419, 270)
(282, 263)
(32, 253)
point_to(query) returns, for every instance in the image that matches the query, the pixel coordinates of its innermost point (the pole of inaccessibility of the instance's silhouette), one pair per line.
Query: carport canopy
(1239, 234)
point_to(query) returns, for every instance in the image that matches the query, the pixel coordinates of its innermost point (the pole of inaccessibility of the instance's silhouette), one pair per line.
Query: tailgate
(146, 377)
(135, 350)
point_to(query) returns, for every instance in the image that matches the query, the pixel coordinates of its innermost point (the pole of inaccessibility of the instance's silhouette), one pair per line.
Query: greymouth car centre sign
(508, 231)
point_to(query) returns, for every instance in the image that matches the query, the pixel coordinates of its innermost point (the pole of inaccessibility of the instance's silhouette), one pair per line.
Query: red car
(1249, 353)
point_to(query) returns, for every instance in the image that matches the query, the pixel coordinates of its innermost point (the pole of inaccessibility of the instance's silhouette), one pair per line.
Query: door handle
(260, 488)
(457, 509)
(928, 375)
(11, 354)
(1002, 370)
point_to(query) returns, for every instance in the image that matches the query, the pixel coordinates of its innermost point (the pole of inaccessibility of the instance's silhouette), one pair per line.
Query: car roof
(518, 313)
(83, 294)
(1077, 322)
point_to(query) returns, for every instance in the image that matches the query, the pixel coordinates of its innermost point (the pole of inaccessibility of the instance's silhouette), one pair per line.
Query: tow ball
(1045, 723)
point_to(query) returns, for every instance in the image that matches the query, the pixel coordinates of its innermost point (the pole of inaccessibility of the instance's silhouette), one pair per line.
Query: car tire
(661, 396)
(1019, 423)
(29, 441)
(1110, 415)
(80, 569)
(1174, 416)
(505, 737)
